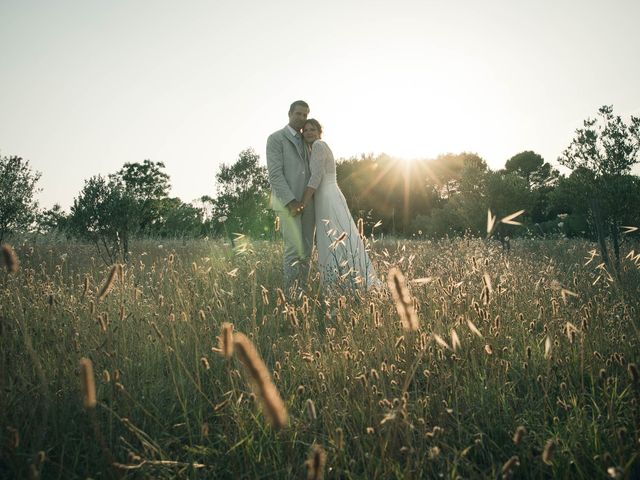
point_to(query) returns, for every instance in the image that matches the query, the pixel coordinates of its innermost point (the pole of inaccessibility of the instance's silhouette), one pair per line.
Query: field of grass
(525, 365)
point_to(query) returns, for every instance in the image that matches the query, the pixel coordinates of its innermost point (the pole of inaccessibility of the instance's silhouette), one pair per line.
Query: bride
(342, 257)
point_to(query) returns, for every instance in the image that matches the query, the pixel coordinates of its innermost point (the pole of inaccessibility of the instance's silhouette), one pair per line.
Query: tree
(147, 186)
(18, 208)
(178, 219)
(100, 214)
(462, 182)
(110, 211)
(445, 172)
(606, 145)
(387, 192)
(607, 148)
(243, 190)
(524, 164)
(470, 199)
(541, 178)
(52, 219)
(508, 193)
(532, 167)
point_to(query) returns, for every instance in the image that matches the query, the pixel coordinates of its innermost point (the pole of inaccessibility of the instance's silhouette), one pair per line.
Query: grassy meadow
(525, 365)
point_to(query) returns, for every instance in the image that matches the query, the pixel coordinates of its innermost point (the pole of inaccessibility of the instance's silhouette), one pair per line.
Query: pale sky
(88, 85)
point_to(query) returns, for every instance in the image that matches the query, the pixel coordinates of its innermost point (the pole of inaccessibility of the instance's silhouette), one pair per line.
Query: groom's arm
(275, 167)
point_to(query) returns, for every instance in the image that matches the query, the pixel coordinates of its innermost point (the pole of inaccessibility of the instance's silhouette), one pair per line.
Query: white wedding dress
(342, 257)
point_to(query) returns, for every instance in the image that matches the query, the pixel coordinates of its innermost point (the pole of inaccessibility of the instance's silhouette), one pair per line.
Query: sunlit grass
(506, 374)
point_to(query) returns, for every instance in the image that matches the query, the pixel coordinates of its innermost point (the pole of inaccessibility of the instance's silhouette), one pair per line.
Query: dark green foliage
(133, 202)
(147, 186)
(394, 192)
(53, 220)
(17, 187)
(603, 152)
(177, 219)
(606, 145)
(100, 215)
(468, 189)
(241, 205)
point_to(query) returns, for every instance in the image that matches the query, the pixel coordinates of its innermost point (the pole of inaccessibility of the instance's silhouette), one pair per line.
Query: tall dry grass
(504, 373)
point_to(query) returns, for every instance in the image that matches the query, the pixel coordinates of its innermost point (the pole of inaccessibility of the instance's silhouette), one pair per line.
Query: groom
(288, 166)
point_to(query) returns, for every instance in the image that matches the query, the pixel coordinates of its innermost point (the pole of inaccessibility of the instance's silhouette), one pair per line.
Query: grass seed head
(226, 340)
(87, 382)
(108, 284)
(440, 341)
(518, 434)
(272, 403)
(547, 453)
(473, 328)
(339, 439)
(547, 348)
(281, 298)
(342, 302)
(455, 341)
(103, 319)
(311, 410)
(509, 466)
(316, 463)
(402, 299)
(11, 261)
(205, 363)
(40, 458)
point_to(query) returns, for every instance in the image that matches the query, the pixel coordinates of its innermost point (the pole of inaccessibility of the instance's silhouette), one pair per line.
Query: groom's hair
(298, 103)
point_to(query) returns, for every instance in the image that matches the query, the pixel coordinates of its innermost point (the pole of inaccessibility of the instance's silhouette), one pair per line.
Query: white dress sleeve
(317, 162)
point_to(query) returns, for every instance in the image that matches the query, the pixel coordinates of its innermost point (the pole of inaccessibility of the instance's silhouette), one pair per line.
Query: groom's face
(297, 117)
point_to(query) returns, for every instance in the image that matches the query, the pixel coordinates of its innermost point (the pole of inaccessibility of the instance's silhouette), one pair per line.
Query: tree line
(430, 198)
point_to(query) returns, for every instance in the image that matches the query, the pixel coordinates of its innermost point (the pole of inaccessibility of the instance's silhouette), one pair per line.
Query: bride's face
(310, 133)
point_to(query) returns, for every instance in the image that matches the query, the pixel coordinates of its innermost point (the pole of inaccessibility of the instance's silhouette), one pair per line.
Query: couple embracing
(306, 197)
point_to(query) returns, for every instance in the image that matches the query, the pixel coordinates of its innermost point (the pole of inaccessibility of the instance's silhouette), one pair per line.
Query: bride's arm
(316, 164)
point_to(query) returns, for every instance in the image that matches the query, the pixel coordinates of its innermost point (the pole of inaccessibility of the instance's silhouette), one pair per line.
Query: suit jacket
(288, 168)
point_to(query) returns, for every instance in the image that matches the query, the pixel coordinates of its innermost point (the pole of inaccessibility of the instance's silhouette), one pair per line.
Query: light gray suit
(289, 174)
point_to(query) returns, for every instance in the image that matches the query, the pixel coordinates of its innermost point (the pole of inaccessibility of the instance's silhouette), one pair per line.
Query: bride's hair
(315, 123)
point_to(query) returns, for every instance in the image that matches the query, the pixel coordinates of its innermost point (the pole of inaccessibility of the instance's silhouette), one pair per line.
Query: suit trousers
(298, 233)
